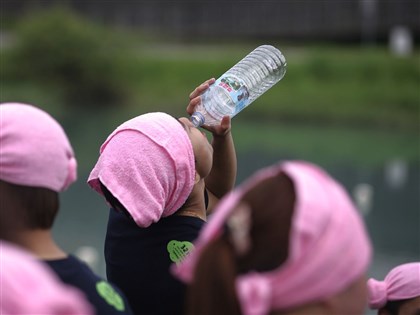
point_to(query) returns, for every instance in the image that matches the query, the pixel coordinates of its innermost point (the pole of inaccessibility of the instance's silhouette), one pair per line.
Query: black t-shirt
(104, 297)
(138, 260)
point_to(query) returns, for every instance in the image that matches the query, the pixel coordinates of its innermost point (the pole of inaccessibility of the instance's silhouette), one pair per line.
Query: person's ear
(197, 178)
(329, 306)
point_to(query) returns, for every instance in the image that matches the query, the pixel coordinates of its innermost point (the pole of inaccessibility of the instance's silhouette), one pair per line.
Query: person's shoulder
(73, 271)
(104, 296)
(79, 264)
(116, 303)
(107, 298)
(175, 219)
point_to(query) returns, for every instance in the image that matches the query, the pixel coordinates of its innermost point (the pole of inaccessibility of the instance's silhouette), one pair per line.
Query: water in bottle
(240, 86)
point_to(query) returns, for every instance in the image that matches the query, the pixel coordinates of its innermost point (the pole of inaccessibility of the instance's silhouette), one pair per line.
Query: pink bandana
(329, 246)
(147, 163)
(28, 287)
(34, 149)
(402, 282)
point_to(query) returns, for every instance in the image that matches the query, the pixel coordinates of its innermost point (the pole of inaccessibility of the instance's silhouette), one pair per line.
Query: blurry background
(349, 100)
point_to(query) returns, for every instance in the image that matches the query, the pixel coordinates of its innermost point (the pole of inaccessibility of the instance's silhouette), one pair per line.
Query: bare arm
(222, 176)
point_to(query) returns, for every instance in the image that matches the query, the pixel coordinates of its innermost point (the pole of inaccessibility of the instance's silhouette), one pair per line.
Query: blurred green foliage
(67, 58)
(61, 59)
(328, 84)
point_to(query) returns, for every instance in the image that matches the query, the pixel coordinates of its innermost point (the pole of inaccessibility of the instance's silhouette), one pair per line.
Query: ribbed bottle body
(241, 85)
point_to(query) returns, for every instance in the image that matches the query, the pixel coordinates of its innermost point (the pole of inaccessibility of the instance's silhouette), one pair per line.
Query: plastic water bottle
(240, 86)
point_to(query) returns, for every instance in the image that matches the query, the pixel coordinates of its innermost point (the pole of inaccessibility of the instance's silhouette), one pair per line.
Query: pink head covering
(28, 287)
(329, 247)
(147, 163)
(34, 149)
(402, 282)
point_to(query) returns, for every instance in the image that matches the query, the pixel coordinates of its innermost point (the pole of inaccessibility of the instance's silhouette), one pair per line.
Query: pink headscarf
(147, 163)
(34, 149)
(402, 282)
(329, 247)
(28, 287)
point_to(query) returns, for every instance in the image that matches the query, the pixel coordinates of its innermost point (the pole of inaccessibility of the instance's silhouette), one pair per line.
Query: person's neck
(41, 243)
(192, 213)
(194, 206)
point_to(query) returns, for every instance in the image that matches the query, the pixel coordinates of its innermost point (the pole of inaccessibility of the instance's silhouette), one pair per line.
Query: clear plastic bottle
(240, 86)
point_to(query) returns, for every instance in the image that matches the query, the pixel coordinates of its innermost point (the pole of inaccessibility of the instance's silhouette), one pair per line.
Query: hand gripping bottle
(240, 86)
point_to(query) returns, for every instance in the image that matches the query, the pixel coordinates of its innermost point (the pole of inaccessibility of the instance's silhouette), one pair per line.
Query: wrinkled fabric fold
(29, 287)
(34, 149)
(147, 163)
(402, 282)
(329, 245)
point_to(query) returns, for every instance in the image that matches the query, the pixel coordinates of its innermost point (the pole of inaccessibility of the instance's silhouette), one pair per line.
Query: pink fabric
(402, 282)
(329, 246)
(34, 149)
(28, 287)
(147, 163)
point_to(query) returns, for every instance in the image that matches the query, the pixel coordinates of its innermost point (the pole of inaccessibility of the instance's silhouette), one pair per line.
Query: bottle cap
(197, 119)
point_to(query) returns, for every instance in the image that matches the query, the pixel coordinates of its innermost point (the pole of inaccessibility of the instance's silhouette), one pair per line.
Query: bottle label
(237, 90)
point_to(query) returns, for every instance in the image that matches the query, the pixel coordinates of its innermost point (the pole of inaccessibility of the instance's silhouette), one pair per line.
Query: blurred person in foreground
(160, 176)
(398, 293)
(36, 164)
(29, 287)
(286, 241)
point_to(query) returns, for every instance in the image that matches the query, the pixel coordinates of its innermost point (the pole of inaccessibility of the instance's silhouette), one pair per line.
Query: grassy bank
(325, 109)
(334, 85)
(327, 85)
(352, 85)
(335, 102)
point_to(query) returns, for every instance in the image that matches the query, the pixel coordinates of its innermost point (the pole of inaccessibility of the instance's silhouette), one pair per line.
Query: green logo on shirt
(179, 250)
(108, 293)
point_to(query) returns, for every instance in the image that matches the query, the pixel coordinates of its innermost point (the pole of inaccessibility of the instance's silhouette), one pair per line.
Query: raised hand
(195, 100)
